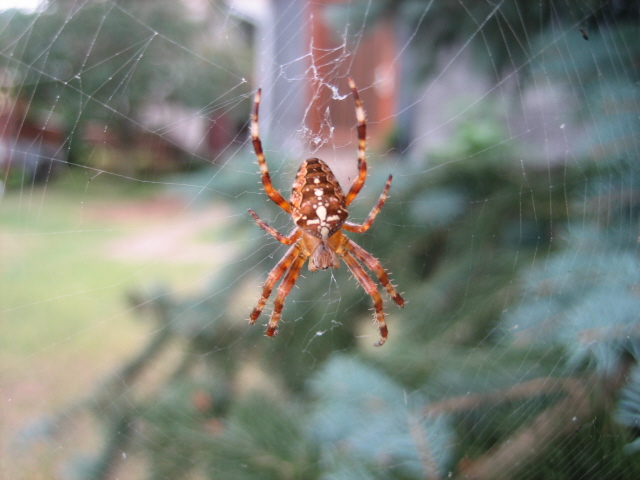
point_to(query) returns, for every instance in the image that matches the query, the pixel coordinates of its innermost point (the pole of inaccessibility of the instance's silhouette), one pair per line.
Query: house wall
(373, 65)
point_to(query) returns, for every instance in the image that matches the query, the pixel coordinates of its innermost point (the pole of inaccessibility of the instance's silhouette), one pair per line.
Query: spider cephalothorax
(318, 207)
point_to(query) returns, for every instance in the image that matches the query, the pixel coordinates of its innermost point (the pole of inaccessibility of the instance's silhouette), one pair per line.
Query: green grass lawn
(58, 280)
(65, 321)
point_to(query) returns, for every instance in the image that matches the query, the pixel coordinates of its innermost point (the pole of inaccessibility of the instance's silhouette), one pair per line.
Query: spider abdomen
(317, 201)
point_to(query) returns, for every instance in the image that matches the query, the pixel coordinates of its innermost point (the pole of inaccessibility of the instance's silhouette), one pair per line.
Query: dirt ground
(165, 230)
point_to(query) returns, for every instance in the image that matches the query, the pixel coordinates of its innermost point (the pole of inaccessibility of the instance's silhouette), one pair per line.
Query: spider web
(130, 264)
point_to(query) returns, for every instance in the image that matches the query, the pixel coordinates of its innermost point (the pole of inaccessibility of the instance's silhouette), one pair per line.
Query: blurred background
(129, 263)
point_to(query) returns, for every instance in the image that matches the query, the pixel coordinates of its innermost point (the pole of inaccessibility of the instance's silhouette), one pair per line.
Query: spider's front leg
(272, 279)
(375, 266)
(370, 287)
(276, 273)
(283, 290)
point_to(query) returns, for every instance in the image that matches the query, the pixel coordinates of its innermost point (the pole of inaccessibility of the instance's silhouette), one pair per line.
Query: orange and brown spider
(319, 210)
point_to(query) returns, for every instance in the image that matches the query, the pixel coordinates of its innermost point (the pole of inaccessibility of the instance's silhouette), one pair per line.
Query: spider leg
(371, 289)
(374, 265)
(264, 170)
(283, 290)
(273, 232)
(362, 145)
(353, 227)
(274, 275)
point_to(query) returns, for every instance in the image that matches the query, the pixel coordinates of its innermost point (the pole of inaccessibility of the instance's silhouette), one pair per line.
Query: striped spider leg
(318, 207)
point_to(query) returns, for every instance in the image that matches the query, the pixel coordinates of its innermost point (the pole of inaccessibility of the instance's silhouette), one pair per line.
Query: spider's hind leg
(273, 194)
(273, 232)
(362, 146)
(354, 227)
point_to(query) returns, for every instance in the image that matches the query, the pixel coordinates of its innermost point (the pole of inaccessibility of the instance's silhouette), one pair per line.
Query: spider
(318, 207)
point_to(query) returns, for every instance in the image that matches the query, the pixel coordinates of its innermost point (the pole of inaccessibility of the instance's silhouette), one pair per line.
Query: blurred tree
(501, 39)
(104, 61)
(499, 32)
